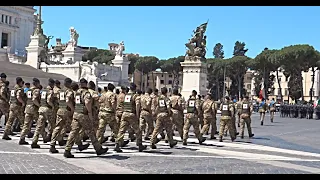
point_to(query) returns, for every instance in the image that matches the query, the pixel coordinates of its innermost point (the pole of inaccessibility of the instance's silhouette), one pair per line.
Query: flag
(262, 93)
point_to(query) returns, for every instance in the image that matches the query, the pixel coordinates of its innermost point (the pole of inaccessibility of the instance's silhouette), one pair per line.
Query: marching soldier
(262, 110)
(146, 114)
(200, 116)
(16, 107)
(163, 111)
(238, 105)
(245, 117)
(227, 112)
(66, 107)
(192, 119)
(56, 90)
(95, 106)
(177, 111)
(130, 117)
(108, 105)
(119, 111)
(31, 110)
(4, 108)
(45, 114)
(272, 109)
(209, 114)
(83, 118)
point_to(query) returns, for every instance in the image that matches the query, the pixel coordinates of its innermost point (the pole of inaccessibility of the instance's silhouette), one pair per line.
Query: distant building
(17, 24)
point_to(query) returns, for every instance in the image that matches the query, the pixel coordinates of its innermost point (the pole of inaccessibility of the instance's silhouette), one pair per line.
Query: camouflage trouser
(233, 123)
(163, 122)
(15, 113)
(272, 111)
(177, 120)
(82, 121)
(57, 134)
(129, 119)
(96, 120)
(226, 121)
(201, 123)
(245, 119)
(206, 126)
(67, 124)
(104, 119)
(40, 128)
(146, 119)
(191, 120)
(262, 114)
(28, 119)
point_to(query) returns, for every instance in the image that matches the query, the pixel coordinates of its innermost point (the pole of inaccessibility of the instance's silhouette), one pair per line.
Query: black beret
(68, 80)
(57, 82)
(50, 81)
(18, 79)
(82, 80)
(36, 80)
(227, 97)
(3, 75)
(123, 87)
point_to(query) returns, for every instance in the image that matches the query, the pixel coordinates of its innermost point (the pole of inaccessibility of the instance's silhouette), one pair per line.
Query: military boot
(112, 139)
(30, 135)
(217, 133)
(47, 138)
(184, 142)
(117, 148)
(173, 144)
(250, 136)
(62, 142)
(83, 147)
(102, 151)
(142, 147)
(220, 139)
(35, 146)
(85, 137)
(212, 137)
(261, 123)
(153, 146)
(23, 142)
(124, 143)
(146, 138)
(201, 140)
(6, 137)
(67, 154)
(53, 150)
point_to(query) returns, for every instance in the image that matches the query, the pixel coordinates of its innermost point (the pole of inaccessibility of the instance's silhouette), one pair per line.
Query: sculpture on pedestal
(120, 49)
(196, 47)
(74, 36)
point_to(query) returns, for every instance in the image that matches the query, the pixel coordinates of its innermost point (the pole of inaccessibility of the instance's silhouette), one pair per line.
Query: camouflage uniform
(95, 109)
(272, 111)
(130, 118)
(119, 111)
(233, 119)
(262, 111)
(107, 114)
(177, 113)
(31, 112)
(163, 110)
(153, 109)
(227, 112)
(81, 119)
(246, 109)
(209, 117)
(200, 112)
(238, 105)
(16, 109)
(4, 100)
(63, 115)
(145, 115)
(45, 114)
(56, 91)
(192, 119)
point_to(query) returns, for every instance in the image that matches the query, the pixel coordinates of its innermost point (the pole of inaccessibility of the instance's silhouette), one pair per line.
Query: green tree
(264, 64)
(99, 55)
(173, 66)
(146, 65)
(295, 59)
(133, 58)
(239, 49)
(218, 51)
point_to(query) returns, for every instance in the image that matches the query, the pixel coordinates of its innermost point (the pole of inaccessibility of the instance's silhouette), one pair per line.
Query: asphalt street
(287, 146)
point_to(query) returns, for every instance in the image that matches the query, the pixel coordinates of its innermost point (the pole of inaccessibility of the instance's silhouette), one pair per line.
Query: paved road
(286, 146)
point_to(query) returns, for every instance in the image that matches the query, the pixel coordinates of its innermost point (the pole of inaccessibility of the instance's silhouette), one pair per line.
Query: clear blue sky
(162, 31)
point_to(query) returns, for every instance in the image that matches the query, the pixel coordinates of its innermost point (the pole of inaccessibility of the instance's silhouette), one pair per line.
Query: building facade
(160, 80)
(17, 24)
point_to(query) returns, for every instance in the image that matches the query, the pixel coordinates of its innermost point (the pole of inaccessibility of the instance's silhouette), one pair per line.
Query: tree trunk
(312, 79)
(217, 89)
(239, 86)
(279, 84)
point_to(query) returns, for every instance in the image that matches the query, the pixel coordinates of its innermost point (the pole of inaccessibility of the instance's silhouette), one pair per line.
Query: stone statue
(120, 49)
(196, 47)
(46, 43)
(74, 36)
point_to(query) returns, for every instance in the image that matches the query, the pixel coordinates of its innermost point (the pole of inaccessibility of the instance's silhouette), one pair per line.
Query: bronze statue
(46, 43)
(196, 47)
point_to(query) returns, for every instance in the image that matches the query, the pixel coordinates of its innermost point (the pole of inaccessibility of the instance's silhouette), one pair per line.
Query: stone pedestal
(123, 63)
(72, 53)
(194, 76)
(33, 52)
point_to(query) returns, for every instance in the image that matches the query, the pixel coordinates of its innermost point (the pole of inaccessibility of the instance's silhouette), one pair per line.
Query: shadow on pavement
(114, 156)
(185, 148)
(158, 152)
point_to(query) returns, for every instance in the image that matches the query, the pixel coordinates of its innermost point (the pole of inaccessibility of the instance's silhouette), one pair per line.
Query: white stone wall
(70, 70)
(20, 28)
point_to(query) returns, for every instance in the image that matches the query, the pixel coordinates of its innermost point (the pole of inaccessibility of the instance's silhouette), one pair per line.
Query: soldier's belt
(106, 111)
